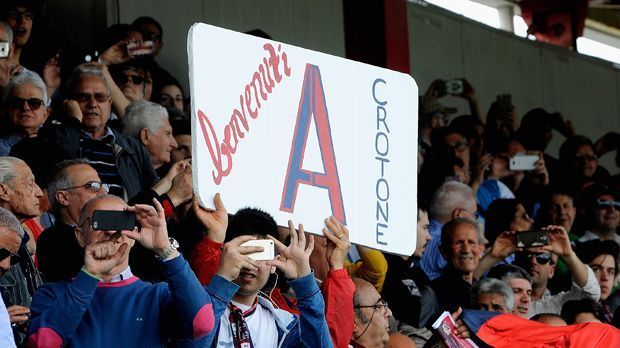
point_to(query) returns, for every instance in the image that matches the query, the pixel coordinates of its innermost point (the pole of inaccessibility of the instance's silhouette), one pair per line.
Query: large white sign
(304, 135)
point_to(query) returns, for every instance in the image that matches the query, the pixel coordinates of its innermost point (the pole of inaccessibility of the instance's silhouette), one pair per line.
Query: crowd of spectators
(113, 133)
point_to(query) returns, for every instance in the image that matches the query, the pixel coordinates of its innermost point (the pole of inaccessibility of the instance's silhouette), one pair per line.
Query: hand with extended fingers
(505, 245)
(338, 243)
(154, 233)
(294, 260)
(215, 221)
(559, 242)
(234, 257)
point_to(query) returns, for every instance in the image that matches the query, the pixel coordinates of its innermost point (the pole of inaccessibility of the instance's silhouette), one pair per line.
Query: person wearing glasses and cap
(72, 183)
(540, 263)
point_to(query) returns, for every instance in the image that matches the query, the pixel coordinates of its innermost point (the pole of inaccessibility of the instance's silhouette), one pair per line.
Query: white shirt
(589, 235)
(6, 333)
(261, 323)
(553, 303)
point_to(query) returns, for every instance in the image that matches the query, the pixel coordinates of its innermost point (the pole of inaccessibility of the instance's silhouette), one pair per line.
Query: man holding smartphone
(250, 320)
(540, 262)
(87, 310)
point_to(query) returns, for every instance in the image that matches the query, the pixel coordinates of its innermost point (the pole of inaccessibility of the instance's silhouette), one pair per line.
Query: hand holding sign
(338, 244)
(215, 221)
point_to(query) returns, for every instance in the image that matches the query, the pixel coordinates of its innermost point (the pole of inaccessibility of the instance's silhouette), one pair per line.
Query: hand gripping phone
(268, 252)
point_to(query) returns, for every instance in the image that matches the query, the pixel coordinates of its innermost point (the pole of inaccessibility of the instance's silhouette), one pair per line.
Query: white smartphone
(523, 162)
(4, 49)
(268, 252)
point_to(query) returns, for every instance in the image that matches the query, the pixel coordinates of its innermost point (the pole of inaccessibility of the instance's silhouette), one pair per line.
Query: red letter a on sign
(312, 104)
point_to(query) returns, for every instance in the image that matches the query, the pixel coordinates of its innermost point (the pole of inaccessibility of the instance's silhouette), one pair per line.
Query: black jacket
(132, 159)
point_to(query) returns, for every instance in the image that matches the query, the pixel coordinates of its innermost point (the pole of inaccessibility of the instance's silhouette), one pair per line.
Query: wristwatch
(174, 245)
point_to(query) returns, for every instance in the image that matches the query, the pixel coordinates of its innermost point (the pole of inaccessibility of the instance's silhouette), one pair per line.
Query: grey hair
(143, 114)
(7, 219)
(450, 196)
(82, 71)
(8, 30)
(8, 169)
(27, 77)
(60, 180)
(494, 286)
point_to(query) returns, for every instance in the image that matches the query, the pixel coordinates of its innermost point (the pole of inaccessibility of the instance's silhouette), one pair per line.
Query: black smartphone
(113, 220)
(528, 239)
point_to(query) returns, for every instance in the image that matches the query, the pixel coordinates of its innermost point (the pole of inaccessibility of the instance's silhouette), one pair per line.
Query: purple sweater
(129, 313)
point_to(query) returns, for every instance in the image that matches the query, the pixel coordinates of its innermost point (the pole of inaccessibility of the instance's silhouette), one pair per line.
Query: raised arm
(294, 262)
(504, 246)
(188, 300)
(338, 288)
(206, 255)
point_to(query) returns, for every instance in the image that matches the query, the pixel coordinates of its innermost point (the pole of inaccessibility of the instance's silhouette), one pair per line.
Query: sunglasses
(604, 204)
(4, 253)
(17, 103)
(94, 186)
(541, 259)
(135, 79)
(86, 97)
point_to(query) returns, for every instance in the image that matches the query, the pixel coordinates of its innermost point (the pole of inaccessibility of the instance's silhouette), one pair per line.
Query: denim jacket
(308, 330)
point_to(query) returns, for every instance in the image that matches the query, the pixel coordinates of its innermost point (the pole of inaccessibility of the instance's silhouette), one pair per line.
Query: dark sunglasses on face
(604, 204)
(17, 103)
(541, 259)
(85, 97)
(135, 79)
(6, 253)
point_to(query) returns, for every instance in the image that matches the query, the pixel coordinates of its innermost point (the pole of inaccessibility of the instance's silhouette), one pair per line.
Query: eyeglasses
(541, 258)
(18, 103)
(149, 35)
(4, 253)
(86, 97)
(604, 204)
(459, 146)
(94, 186)
(15, 15)
(585, 157)
(135, 79)
(475, 214)
(381, 306)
